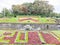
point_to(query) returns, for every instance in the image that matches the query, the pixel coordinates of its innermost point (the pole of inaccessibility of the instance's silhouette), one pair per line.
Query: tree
(41, 8)
(19, 9)
(1, 15)
(6, 13)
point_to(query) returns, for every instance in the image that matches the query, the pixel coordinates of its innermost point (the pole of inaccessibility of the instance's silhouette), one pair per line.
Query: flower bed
(27, 37)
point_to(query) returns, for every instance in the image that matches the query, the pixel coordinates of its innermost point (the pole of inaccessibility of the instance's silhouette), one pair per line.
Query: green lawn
(32, 20)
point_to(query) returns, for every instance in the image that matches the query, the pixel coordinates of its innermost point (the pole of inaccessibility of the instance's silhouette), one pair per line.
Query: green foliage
(37, 8)
(7, 13)
(1, 15)
(41, 8)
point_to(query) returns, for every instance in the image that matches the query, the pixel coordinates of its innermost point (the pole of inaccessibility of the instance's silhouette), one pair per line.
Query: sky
(9, 3)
